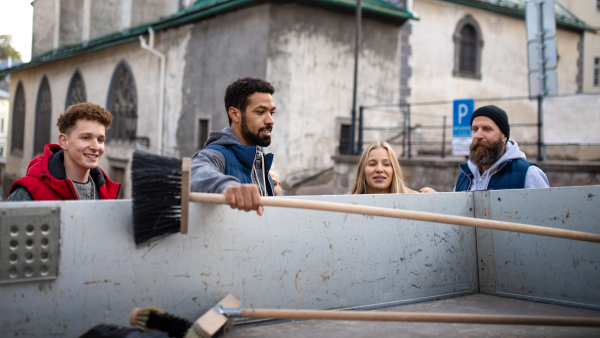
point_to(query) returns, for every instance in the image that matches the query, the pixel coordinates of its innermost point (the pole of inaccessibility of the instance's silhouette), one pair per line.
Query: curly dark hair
(83, 111)
(237, 93)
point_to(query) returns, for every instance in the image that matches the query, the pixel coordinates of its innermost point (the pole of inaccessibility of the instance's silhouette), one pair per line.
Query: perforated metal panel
(29, 244)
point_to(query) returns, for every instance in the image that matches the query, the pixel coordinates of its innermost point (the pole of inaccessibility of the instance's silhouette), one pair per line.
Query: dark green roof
(202, 9)
(563, 17)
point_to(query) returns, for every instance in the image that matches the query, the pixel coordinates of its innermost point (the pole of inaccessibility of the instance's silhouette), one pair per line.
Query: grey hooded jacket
(535, 178)
(209, 165)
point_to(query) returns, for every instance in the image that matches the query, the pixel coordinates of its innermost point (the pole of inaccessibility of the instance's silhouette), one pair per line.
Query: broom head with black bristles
(156, 194)
(155, 319)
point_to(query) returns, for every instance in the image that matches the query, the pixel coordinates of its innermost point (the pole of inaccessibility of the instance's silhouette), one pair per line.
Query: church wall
(71, 26)
(311, 64)
(220, 51)
(43, 29)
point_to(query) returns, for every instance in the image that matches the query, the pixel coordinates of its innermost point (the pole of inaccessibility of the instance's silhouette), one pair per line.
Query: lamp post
(351, 147)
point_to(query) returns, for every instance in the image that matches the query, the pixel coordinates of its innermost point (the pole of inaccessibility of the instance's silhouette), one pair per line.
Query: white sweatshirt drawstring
(263, 188)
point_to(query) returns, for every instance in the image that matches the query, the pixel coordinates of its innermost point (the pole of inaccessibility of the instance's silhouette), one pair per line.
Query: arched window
(122, 103)
(43, 118)
(18, 122)
(76, 93)
(468, 43)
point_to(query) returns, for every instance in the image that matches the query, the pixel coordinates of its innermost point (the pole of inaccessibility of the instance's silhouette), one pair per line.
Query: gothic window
(122, 103)
(43, 117)
(18, 122)
(467, 48)
(76, 93)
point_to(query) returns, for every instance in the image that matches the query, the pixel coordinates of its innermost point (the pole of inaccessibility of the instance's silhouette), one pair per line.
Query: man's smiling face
(84, 144)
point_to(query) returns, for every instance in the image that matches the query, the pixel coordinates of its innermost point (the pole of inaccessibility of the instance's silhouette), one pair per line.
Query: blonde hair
(360, 181)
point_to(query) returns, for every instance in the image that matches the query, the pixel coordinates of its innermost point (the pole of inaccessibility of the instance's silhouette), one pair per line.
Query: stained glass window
(43, 117)
(122, 103)
(76, 93)
(18, 122)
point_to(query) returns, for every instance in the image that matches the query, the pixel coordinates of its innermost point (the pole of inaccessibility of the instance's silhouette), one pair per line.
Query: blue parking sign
(461, 125)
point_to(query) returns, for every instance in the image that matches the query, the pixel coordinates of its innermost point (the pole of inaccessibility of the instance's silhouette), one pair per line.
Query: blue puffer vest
(239, 161)
(509, 175)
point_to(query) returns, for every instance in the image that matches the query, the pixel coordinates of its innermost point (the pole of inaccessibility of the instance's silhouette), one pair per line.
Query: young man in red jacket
(69, 170)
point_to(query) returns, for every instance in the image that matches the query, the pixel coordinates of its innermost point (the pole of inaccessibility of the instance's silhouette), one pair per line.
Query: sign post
(542, 58)
(461, 126)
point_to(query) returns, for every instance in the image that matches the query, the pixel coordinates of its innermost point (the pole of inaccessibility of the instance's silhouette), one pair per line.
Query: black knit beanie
(497, 115)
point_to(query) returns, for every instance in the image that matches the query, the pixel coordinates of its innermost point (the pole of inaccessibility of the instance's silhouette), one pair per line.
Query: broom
(213, 321)
(161, 196)
(155, 319)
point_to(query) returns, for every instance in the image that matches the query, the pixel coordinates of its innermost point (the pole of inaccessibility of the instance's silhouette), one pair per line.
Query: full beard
(264, 141)
(488, 155)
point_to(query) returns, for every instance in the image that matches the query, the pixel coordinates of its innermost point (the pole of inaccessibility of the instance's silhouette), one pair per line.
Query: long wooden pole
(407, 214)
(419, 317)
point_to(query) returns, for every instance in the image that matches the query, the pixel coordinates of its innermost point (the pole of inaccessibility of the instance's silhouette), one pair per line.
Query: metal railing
(407, 130)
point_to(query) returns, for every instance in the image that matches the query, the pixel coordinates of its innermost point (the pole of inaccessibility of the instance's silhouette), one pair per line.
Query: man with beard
(495, 161)
(232, 161)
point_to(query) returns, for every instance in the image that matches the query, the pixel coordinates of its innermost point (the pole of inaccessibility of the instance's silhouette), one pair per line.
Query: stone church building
(161, 68)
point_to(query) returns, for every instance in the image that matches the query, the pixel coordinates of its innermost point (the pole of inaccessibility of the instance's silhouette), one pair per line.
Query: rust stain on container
(96, 282)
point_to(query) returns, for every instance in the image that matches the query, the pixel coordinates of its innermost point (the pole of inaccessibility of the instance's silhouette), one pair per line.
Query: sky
(17, 20)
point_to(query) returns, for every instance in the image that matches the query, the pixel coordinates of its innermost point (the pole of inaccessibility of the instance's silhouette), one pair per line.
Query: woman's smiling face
(379, 172)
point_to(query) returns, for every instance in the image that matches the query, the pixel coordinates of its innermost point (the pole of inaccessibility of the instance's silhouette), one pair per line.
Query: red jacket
(46, 179)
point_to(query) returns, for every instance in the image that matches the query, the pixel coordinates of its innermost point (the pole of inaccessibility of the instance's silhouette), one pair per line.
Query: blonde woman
(378, 172)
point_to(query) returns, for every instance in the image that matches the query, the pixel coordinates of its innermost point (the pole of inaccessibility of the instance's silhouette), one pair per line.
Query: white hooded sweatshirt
(535, 177)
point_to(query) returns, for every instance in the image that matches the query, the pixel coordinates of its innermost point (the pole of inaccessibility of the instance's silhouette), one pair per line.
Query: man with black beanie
(495, 161)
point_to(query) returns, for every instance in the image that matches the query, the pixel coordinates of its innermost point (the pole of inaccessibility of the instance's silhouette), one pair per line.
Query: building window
(468, 43)
(597, 6)
(18, 122)
(76, 93)
(344, 139)
(122, 103)
(1, 151)
(43, 117)
(202, 133)
(2, 126)
(597, 70)
(468, 49)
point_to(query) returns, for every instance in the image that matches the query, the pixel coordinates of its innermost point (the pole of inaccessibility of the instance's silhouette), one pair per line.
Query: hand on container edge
(427, 190)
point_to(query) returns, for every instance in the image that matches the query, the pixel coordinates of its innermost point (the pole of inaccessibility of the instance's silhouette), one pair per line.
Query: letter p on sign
(463, 110)
(461, 121)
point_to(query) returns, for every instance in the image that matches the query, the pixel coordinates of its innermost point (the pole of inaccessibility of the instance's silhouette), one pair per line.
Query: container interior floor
(472, 304)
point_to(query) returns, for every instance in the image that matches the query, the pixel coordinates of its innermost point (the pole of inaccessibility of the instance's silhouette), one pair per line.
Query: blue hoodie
(209, 166)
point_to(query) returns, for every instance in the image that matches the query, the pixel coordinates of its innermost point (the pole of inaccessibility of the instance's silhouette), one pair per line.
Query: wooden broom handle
(406, 214)
(420, 317)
